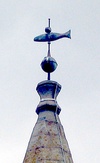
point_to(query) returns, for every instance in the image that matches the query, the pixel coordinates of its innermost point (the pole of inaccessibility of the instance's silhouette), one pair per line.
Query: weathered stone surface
(48, 143)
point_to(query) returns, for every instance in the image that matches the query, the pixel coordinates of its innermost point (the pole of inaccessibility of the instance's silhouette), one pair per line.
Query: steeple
(48, 143)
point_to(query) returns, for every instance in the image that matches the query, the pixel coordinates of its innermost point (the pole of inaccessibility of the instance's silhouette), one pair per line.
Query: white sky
(78, 72)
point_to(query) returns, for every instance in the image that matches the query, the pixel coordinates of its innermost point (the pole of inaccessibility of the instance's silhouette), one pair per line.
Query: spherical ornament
(49, 64)
(47, 29)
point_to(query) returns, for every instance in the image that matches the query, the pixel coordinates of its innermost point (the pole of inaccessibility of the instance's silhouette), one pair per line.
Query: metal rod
(49, 22)
(49, 41)
(48, 76)
(49, 48)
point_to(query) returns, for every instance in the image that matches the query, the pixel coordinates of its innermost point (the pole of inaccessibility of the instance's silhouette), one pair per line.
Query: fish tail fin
(68, 34)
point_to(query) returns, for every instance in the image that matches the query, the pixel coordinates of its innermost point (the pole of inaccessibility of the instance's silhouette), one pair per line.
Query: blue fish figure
(52, 36)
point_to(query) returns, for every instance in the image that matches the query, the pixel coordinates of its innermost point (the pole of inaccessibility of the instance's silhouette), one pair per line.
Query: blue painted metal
(52, 36)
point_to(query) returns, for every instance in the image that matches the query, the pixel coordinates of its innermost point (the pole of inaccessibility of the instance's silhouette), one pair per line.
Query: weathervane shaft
(49, 46)
(49, 22)
(48, 30)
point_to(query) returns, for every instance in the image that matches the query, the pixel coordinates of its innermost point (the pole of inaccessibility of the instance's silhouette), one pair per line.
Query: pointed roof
(48, 143)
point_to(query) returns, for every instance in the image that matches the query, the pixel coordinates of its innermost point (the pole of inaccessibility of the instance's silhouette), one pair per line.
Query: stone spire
(48, 143)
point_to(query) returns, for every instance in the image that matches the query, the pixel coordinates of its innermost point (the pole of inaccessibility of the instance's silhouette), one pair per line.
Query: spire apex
(48, 143)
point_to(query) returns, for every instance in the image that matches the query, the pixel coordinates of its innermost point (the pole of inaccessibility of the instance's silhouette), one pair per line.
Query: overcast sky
(78, 72)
